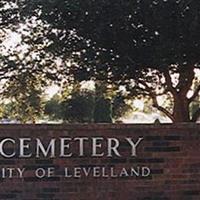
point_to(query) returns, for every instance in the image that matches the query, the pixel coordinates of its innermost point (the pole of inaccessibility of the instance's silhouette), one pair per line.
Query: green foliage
(119, 37)
(103, 110)
(6, 111)
(194, 109)
(79, 107)
(9, 13)
(53, 108)
(125, 42)
(150, 47)
(120, 107)
(83, 105)
(26, 96)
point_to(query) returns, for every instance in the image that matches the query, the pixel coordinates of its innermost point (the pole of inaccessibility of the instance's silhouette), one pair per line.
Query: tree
(9, 13)
(103, 110)
(26, 98)
(149, 46)
(78, 107)
(23, 45)
(111, 102)
(120, 106)
(25, 67)
(79, 104)
(152, 47)
(53, 108)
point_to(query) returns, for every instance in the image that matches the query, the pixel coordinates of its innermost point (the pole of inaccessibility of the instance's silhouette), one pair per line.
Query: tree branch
(131, 60)
(185, 81)
(155, 102)
(147, 88)
(169, 82)
(160, 108)
(196, 115)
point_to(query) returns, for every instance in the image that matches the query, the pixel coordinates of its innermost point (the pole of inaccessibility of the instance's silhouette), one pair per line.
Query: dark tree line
(87, 106)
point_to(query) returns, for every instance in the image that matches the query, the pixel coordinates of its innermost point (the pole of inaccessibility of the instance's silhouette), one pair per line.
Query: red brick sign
(97, 162)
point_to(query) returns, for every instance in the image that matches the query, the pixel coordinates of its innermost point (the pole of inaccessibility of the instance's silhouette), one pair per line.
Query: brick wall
(172, 152)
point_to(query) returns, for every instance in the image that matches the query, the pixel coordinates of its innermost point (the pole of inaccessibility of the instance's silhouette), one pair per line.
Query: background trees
(150, 47)
(25, 97)
(84, 105)
(79, 106)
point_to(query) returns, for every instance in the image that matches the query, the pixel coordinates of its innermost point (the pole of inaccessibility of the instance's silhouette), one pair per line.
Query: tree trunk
(181, 109)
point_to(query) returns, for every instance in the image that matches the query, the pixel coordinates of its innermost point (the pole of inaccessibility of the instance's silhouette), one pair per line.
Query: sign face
(64, 146)
(95, 147)
(96, 161)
